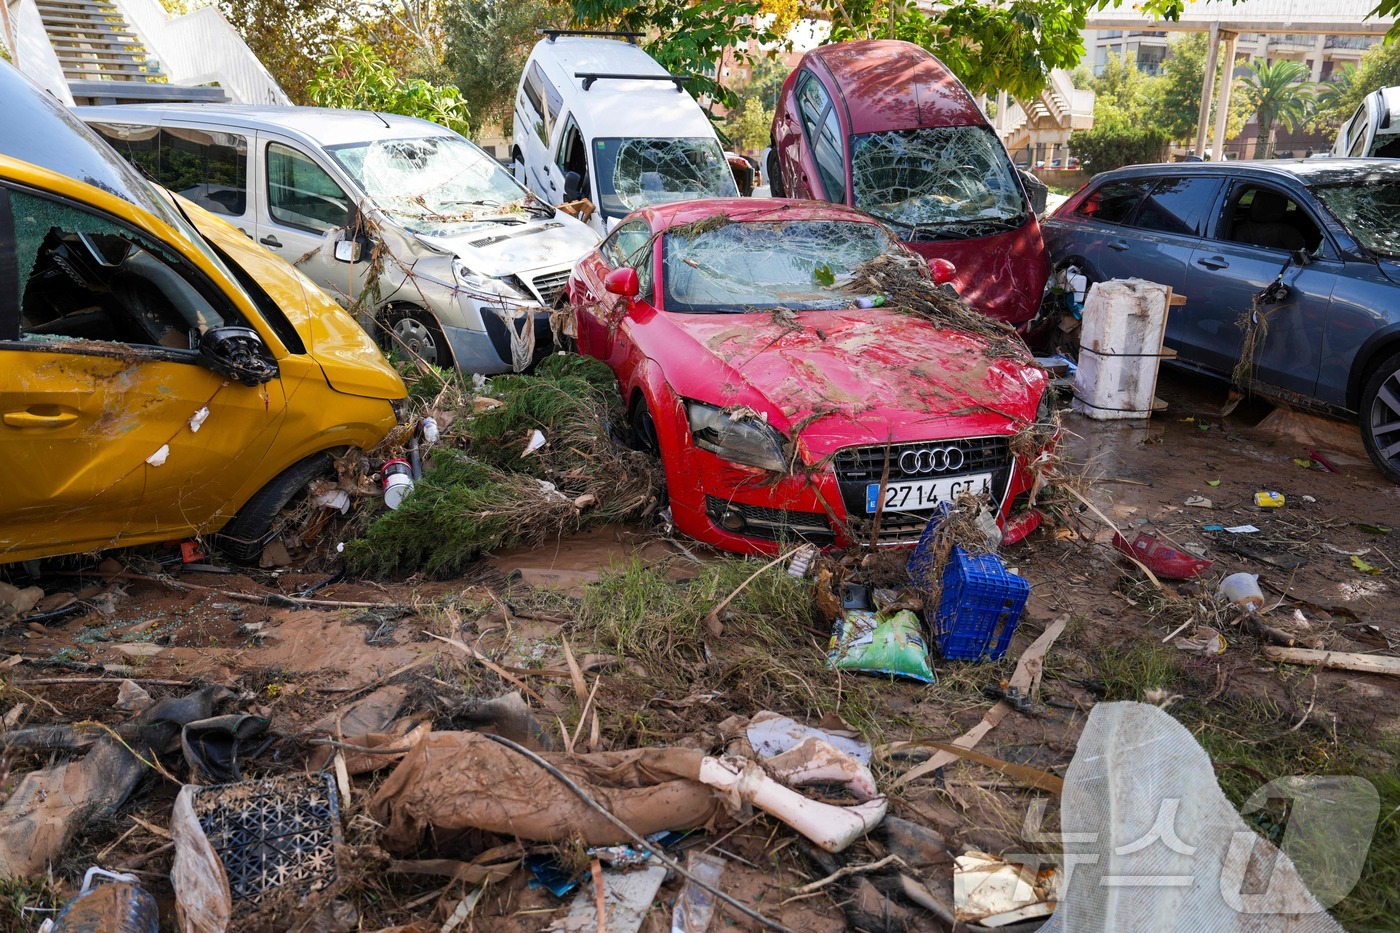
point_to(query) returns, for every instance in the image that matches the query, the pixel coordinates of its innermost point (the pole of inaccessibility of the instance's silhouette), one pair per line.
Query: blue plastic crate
(979, 608)
(921, 558)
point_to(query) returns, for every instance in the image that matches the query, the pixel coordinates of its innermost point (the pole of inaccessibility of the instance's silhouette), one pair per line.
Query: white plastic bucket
(1120, 346)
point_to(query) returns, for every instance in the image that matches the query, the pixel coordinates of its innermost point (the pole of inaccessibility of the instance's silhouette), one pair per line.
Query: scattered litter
(159, 457)
(1335, 660)
(1242, 589)
(695, 906)
(993, 892)
(197, 420)
(1214, 528)
(770, 735)
(1121, 349)
(872, 643)
(17, 602)
(429, 429)
(802, 562)
(1203, 640)
(1212, 482)
(335, 499)
(537, 440)
(1323, 462)
(1141, 801)
(120, 905)
(549, 874)
(1268, 499)
(1310, 499)
(1364, 567)
(1243, 530)
(397, 480)
(627, 898)
(1164, 560)
(1199, 502)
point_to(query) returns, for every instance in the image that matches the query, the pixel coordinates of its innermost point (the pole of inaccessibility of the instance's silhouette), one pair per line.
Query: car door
(1098, 239)
(540, 103)
(300, 202)
(114, 422)
(209, 166)
(823, 163)
(1248, 249)
(571, 155)
(597, 312)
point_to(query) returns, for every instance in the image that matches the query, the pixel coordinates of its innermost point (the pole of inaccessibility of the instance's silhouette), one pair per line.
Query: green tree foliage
(353, 75)
(1280, 94)
(288, 36)
(751, 127)
(486, 45)
(1380, 67)
(1105, 148)
(1122, 93)
(1176, 97)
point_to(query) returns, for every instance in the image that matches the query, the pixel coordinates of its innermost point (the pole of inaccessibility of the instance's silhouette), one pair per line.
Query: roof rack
(553, 34)
(590, 76)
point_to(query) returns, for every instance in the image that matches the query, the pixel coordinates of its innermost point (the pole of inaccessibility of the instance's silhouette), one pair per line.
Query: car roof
(610, 107)
(1305, 171)
(893, 85)
(43, 132)
(749, 210)
(324, 126)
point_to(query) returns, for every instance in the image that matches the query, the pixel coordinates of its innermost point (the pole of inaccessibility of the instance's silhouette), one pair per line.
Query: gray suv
(1290, 268)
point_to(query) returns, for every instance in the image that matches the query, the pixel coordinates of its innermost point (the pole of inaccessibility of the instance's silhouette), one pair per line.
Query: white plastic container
(1242, 589)
(1120, 347)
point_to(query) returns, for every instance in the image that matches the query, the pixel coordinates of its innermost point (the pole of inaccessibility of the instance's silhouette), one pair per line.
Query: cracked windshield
(435, 184)
(759, 266)
(637, 173)
(953, 180)
(1371, 211)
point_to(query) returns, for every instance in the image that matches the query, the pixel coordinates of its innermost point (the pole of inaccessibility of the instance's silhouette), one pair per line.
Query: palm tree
(1279, 95)
(1335, 89)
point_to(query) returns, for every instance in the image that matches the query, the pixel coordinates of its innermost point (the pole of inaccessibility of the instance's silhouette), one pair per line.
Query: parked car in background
(883, 126)
(427, 238)
(1222, 234)
(1374, 129)
(160, 375)
(598, 118)
(774, 400)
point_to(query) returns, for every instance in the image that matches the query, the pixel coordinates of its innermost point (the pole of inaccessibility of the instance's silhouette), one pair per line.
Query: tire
(643, 429)
(775, 177)
(1380, 416)
(416, 332)
(243, 537)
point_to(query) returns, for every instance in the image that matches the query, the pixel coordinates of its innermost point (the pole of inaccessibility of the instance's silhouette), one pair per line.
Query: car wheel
(644, 429)
(775, 177)
(417, 333)
(1380, 416)
(245, 535)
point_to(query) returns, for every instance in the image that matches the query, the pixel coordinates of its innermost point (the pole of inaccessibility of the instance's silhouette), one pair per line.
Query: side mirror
(238, 354)
(623, 282)
(943, 271)
(573, 186)
(348, 250)
(1301, 257)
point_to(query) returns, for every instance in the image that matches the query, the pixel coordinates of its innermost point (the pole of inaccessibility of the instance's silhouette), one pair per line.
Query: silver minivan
(427, 239)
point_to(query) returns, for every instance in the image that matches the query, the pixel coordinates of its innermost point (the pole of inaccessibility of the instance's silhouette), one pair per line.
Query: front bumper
(488, 351)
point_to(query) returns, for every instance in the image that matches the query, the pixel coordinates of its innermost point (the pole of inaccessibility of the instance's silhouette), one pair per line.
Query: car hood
(347, 356)
(498, 249)
(1390, 268)
(845, 377)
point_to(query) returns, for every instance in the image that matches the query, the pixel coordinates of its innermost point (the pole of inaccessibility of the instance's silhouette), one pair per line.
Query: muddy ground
(1258, 719)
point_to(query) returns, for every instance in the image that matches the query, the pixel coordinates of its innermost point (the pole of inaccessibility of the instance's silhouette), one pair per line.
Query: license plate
(926, 493)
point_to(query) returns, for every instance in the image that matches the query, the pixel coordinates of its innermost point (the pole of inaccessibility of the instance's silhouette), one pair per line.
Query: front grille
(774, 524)
(895, 527)
(867, 464)
(549, 285)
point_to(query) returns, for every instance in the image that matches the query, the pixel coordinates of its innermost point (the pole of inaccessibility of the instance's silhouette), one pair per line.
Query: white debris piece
(159, 457)
(198, 418)
(537, 440)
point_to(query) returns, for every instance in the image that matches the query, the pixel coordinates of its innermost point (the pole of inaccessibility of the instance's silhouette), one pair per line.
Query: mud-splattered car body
(153, 379)
(883, 126)
(774, 420)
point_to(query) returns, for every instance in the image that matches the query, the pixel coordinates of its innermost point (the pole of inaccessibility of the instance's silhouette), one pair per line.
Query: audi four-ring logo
(932, 460)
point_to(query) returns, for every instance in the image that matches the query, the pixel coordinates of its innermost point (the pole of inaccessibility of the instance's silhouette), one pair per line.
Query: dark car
(1294, 265)
(881, 125)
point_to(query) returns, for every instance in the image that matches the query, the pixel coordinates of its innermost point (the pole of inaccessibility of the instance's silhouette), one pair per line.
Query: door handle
(1213, 262)
(31, 418)
(272, 241)
(1118, 246)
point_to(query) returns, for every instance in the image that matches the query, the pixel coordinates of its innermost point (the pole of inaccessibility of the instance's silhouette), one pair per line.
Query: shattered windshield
(433, 184)
(1370, 210)
(947, 181)
(635, 173)
(755, 266)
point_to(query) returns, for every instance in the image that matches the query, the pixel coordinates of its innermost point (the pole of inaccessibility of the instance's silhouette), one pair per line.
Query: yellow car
(161, 376)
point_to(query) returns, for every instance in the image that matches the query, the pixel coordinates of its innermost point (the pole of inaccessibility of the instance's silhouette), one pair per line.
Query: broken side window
(87, 276)
(638, 172)
(1370, 210)
(949, 181)
(757, 265)
(433, 184)
(1115, 201)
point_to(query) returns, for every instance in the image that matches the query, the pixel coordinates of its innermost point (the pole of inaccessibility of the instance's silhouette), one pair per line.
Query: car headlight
(1045, 414)
(487, 283)
(740, 436)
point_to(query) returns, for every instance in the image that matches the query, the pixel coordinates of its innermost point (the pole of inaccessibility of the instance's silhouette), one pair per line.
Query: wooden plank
(1335, 660)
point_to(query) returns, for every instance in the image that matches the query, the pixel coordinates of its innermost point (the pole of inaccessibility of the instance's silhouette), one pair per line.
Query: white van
(598, 118)
(426, 238)
(1374, 129)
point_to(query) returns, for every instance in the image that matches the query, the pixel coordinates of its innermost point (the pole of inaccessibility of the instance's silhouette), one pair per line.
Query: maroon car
(883, 126)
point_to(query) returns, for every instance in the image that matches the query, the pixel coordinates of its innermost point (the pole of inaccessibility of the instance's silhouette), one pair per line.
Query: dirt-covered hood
(498, 249)
(843, 377)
